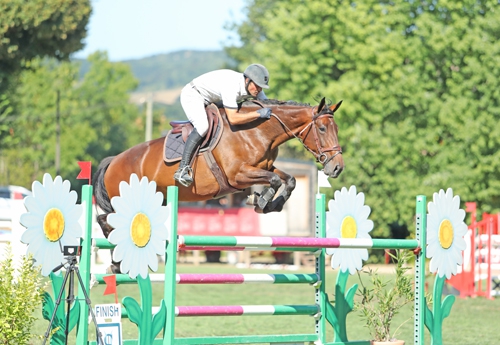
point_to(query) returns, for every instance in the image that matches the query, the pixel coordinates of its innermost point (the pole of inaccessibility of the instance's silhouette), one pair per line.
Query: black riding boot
(183, 175)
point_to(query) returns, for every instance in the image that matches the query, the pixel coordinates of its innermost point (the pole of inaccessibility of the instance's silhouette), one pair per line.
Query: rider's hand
(265, 113)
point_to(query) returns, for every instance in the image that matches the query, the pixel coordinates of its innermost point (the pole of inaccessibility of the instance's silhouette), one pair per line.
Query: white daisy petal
(138, 197)
(50, 194)
(348, 203)
(445, 256)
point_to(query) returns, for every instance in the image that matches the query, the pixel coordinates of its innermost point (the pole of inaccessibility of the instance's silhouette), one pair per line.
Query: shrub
(20, 295)
(384, 299)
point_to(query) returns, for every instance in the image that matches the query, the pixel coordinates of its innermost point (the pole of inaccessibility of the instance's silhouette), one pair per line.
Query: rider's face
(254, 89)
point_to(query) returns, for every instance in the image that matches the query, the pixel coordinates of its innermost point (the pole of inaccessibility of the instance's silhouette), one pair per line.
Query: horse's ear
(321, 105)
(334, 107)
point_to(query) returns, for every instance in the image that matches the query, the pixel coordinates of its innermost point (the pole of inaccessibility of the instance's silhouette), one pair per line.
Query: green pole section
(83, 326)
(421, 229)
(320, 297)
(170, 268)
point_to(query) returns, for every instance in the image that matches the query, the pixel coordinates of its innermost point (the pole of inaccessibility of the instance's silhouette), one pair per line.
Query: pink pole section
(208, 310)
(305, 242)
(211, 248)
(210, 278)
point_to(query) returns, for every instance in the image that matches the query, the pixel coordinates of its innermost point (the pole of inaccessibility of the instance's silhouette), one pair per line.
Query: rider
(221, 86)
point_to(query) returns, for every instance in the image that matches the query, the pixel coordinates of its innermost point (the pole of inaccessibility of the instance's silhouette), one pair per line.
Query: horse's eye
(322, 129)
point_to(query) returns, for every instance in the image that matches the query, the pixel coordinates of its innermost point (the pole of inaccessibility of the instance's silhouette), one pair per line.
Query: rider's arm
(237, 118)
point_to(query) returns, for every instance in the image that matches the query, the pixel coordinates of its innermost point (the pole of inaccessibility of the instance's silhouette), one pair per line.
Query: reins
(320, 156)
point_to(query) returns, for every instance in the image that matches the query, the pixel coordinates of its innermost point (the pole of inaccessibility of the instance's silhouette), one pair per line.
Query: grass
(470, 319)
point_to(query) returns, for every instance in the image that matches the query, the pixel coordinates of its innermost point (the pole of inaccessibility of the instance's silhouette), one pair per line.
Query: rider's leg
(183, 175)
(194, 107)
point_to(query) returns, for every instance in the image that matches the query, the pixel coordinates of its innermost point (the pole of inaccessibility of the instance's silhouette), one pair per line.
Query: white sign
(111, 333)
(108, 312)
(108, 318)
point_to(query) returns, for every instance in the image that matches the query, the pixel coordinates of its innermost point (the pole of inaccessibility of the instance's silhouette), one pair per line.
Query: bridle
(320, 156)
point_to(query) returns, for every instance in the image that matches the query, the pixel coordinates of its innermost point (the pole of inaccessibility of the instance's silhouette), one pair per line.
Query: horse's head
(320, 137)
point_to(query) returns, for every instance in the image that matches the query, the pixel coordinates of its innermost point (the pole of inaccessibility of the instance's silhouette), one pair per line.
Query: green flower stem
(149, 326)
(344, 304)
(441, 310)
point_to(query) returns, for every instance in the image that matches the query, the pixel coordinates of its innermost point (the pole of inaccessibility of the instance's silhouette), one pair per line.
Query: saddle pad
(174, 146)
(174, 141)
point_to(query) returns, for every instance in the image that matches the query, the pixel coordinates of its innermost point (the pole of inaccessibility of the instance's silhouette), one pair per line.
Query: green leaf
(133, 309)
(428, 317)
(446, 305)
(350, 296)
(159, 320)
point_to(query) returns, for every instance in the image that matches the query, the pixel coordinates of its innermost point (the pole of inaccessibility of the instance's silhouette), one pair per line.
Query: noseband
(320, 155)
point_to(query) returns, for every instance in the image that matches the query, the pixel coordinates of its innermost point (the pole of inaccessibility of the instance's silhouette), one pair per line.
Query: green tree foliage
(96, 119)
(21, 291)
(103, 94)
(39, 28)
(419, 84)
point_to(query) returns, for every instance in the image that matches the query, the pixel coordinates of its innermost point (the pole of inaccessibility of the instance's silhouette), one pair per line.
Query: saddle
(176, 139)
(177, 136)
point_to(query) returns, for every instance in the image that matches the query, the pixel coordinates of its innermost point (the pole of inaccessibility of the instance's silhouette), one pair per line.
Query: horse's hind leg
(102, 220)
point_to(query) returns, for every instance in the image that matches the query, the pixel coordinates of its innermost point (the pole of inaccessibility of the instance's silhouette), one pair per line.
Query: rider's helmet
(258, 74)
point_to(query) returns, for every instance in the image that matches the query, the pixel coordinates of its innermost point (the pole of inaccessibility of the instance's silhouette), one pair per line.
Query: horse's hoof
(113, 269)
(252, 199)
(267, 195)
(258, 210)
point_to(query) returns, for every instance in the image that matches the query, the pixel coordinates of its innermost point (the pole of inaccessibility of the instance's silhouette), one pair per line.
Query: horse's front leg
(252, 175)
(279, 202)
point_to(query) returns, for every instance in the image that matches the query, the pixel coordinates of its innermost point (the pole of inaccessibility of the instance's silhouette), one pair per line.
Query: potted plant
(382, 300)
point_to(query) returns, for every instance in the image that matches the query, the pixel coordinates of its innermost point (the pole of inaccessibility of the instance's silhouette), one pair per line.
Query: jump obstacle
(152, 320)
(479, 275)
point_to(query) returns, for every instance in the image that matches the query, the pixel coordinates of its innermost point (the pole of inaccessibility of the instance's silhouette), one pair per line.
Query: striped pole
(207, 278)
(246, 310)
(240, 310)
(279, 243)
(295, 242)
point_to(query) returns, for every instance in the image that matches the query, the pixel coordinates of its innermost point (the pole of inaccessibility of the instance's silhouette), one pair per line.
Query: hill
(173, 70)
(163, 76)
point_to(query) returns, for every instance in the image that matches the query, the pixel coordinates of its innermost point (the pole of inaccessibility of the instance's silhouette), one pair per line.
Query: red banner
(218, 222)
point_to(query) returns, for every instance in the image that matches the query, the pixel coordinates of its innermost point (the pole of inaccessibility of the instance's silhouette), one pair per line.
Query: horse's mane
(250, 103)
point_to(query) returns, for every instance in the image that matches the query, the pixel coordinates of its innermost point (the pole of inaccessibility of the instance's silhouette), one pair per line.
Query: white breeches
(194, 107)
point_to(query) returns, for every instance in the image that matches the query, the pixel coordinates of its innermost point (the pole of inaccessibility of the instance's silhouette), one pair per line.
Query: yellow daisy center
(53, 224)
(140, 230)
(445, 234)
(348, 229)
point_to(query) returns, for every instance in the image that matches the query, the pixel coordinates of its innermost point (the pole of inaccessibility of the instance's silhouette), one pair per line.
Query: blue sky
(132, 29)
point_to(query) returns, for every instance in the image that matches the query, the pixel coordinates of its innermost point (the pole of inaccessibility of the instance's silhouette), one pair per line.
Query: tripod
(71, 268)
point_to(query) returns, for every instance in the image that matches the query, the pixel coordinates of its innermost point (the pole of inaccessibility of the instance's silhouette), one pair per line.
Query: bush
(20, 294)
(384, 299)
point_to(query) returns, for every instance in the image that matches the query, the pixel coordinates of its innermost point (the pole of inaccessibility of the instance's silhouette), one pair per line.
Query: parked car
(14, 192)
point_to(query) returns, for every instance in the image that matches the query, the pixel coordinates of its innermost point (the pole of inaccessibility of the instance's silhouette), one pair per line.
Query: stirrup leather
(184, 176)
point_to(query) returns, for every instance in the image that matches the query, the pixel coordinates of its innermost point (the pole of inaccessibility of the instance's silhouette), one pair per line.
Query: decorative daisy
(52, 221)
(347, 218)
(445, 233)
(140, 229)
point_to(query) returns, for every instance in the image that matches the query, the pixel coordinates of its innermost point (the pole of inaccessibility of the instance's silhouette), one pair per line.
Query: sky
(133, 29)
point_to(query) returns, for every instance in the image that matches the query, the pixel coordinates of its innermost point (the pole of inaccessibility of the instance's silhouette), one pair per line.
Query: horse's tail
(100, 193)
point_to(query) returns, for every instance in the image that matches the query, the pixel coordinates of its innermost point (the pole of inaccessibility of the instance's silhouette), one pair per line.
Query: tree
(418, 80)
(95, 117)
(39, 28)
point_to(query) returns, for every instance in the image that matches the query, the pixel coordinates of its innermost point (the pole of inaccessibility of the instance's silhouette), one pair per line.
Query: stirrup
(184, 176)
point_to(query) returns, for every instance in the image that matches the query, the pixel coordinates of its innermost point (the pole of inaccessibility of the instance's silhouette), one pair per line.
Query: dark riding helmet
(258, 74)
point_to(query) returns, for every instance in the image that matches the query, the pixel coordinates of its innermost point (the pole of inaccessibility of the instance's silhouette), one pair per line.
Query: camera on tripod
(72, 250)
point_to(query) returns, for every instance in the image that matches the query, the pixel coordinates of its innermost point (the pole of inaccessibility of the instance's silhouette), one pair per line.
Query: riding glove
(265, 113)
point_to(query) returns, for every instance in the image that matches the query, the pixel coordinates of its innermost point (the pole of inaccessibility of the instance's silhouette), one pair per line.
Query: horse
(244, 153)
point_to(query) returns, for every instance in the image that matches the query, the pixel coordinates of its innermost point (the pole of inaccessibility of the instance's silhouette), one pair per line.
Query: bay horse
(245, 154)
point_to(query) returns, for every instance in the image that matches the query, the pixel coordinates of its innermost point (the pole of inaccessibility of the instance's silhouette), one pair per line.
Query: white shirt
(224, 86)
